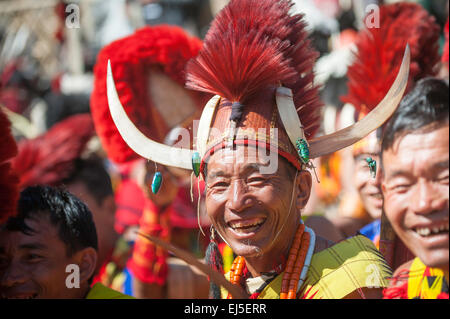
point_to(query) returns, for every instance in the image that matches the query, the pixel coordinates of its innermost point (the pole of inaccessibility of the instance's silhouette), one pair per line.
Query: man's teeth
(245, 224)
(426, 231)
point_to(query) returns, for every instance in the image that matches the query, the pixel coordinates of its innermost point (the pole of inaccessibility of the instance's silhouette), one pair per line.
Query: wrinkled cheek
(215, 207)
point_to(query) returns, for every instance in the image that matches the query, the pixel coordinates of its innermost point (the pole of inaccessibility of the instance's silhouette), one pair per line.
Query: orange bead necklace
(297, 264)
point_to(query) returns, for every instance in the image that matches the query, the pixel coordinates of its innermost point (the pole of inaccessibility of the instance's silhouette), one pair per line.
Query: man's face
(369, 188)
(34, 266)
(416, 193)
(250, 209)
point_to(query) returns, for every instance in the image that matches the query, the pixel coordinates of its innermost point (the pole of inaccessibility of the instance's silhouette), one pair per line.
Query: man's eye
(219, 185)
(444, 180)
(256, 180)
(33, 257)
(401, 187)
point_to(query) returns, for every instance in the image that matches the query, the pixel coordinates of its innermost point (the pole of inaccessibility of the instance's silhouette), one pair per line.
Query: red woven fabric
(149, 262)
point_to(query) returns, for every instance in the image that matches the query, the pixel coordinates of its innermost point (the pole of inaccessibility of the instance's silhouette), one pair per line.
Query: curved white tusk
(288, 115)
(138, 142)
(330, 143)
(204, 125)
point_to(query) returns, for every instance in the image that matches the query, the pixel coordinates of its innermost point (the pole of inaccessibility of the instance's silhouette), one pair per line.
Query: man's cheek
(393, 209)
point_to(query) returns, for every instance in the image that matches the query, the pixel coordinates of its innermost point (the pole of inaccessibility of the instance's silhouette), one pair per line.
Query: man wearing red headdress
(254, 144)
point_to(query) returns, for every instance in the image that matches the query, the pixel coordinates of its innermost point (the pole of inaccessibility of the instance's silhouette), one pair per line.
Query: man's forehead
(242, 159)
(429, 149)
(430, 136)
(41, 233)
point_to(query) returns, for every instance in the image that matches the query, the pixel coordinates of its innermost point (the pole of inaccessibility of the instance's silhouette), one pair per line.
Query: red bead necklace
(296, 261)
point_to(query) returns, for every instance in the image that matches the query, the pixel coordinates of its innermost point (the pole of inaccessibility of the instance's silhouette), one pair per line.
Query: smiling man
(415, 184)
(254, 143)
(400, 23)
(49, 250)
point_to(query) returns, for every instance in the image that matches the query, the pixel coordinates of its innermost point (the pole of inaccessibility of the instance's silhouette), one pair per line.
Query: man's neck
(272, 260)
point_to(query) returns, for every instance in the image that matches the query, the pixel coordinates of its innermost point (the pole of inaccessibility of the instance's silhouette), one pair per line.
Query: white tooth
(435, 230)
(426, 231)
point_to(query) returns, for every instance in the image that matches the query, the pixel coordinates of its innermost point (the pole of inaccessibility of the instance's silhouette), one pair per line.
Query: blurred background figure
(148, 69)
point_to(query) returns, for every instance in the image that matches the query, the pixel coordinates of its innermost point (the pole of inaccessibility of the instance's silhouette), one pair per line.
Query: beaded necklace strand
(297, 265)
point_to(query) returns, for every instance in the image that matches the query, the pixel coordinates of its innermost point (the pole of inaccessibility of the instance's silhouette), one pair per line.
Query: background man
(52, 230)
(415, 185)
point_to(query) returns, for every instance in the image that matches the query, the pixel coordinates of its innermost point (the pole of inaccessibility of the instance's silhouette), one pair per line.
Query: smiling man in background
(49, 250)
(415, 185)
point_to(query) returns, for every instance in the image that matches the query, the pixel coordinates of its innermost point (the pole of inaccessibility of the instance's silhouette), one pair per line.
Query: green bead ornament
(303, 150)
(196, 160)
(156, 183)
(372, 166)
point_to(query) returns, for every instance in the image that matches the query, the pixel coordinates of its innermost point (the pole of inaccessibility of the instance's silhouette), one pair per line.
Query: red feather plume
(49, 158)
(131, 58)
(445, 49)
(380, 52)
(254, 44)
(9, 182)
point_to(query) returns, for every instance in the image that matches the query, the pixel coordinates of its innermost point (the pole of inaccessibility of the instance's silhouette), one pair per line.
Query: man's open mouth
(246, 225)
(432, 230)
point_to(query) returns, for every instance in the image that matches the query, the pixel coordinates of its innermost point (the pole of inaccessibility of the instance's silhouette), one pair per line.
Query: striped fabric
(337, 271)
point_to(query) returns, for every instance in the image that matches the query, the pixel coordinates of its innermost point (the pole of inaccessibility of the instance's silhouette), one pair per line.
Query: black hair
(426, 105)
(73, 219)
(94, 176)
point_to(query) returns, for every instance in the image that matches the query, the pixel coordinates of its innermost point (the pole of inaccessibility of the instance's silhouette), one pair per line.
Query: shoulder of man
(341, 269)
(100, 291)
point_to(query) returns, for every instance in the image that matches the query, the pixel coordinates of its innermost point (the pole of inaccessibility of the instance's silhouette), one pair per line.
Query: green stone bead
(156, 183)
(196, 160)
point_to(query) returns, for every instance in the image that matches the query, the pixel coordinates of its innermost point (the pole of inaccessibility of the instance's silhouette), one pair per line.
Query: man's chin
(435, 259)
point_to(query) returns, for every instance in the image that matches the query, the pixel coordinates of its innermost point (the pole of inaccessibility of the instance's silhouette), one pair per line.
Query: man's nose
(427, 198)
(238, 197)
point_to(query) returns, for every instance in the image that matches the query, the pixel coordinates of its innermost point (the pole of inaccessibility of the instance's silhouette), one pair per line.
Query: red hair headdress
(380, 51)
(9, 182)
(49, 158)
(253, 45)
(165, 49)
(258, 61)
(445, 50)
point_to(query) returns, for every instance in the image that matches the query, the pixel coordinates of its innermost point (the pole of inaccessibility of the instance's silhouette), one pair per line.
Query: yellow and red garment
(419, 282)
(149, 262)
(337, 271)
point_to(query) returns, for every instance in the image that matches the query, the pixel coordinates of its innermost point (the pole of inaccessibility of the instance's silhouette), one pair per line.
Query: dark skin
(258, 214)
(34, 266)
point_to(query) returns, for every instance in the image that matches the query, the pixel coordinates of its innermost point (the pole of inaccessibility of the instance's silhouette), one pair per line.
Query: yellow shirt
(100, 291)
(337, 271)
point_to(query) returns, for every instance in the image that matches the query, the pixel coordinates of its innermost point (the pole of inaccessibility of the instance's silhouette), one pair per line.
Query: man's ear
(304, 184)
(87, 261)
